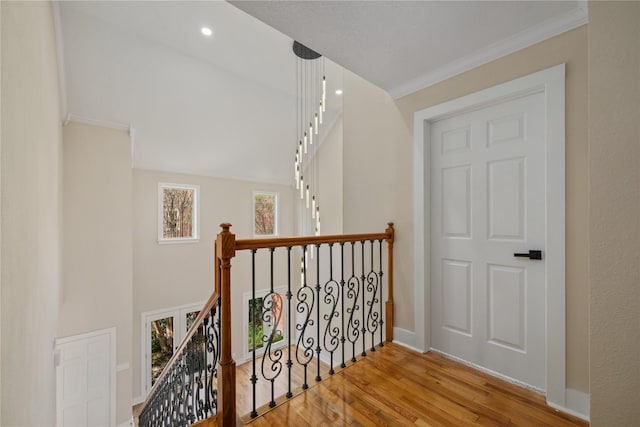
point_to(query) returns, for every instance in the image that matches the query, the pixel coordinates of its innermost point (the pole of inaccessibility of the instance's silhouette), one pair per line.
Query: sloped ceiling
(403, 46)
(222, 106)
(225, 106)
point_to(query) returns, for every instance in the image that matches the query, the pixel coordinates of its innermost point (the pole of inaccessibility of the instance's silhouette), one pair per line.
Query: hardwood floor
(244, 401)
(395, 386)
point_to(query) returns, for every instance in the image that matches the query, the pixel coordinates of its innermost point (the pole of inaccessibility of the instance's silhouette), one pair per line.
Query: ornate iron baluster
(305, 306)
(331, 296)
(272, 317)
(289, 295)
(164, 416)
(200, 368)
(364, 305)
(189, 382)
(253, 320)
(380, 275)
(373, 316)
(203, 380)
(353, 291)
(165, 399)
(318, 348)
(342, 296)
(212, 345)
(176, 392)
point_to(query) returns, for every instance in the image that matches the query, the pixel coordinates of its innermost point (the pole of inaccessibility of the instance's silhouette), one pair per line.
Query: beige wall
(331, 180)
(0, 212)
(170, 275)
(31, 154)
(377, 176)
(97, 280)
(378, 182)
(331, 184)
(614, 210)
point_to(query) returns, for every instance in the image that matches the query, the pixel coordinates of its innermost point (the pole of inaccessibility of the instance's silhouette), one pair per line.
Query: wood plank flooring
(244, 398)
(395, 386)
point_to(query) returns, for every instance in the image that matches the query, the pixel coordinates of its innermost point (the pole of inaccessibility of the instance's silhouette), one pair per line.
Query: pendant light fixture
(311, 104)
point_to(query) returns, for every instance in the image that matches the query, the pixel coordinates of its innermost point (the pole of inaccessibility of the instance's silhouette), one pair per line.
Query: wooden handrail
(280, 242)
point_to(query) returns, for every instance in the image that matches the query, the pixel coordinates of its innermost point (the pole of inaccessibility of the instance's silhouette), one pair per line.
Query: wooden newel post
(389, 305)
(225, 250)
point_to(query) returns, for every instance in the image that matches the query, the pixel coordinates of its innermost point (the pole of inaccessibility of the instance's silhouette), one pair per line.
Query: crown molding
(547, 29)
(105, 124)
(97, 122)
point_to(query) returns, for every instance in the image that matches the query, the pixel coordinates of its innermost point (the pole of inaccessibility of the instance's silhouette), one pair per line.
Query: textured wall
(97, 257)
(378, 147)
(31, 153)
(377, 176)
(614, 210)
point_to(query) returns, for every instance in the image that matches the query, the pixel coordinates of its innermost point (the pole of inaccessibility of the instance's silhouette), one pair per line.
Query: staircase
(307, 321)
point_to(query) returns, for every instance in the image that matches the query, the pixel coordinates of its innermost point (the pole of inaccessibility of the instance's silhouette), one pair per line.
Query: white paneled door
(487, 205)
(85, 380)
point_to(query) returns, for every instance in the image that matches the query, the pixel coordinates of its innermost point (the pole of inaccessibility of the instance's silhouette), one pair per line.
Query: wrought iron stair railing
(316, 322)
(187, 391)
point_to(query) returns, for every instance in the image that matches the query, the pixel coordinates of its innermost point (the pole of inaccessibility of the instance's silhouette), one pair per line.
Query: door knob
(533, 254)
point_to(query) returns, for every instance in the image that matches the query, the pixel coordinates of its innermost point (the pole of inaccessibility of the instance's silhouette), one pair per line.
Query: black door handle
(535, 254)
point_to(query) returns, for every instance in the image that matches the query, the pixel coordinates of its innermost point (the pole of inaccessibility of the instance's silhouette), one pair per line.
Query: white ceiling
(404, 46)
(225, 106)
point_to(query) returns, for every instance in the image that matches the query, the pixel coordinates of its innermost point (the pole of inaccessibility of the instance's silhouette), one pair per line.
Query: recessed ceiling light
(206, 31)
(339, 92)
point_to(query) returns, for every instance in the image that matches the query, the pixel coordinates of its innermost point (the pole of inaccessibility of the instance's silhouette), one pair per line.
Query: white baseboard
(326, 359)
(405, 338)
(128, 423)
(576, 404)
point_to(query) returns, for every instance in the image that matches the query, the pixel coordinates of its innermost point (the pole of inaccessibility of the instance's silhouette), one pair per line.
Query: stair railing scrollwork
(333, 309)
(186, 390)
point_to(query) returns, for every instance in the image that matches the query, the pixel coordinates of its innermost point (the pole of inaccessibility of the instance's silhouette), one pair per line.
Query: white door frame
(111, 332)
(551, 83)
